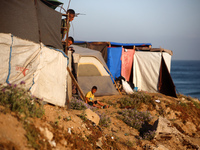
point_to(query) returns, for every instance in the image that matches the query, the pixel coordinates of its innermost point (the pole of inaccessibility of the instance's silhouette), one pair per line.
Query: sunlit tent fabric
(43, 69)
(31, 20)
(146, 69)
(92, 71)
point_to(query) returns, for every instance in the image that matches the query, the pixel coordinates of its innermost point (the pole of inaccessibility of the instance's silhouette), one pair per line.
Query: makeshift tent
(92, 71)
(146, 69)
(145, 72)
(31, 20)
(43, 69)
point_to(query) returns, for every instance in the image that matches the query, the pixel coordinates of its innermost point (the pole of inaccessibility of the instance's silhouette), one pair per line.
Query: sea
(186, 77)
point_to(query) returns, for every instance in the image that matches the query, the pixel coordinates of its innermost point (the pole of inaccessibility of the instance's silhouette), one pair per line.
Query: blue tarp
(129, 44)
(114, 61)
(118, 44)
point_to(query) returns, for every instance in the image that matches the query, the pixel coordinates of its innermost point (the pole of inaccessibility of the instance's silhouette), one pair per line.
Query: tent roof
(155, 50)
(89, 52)
(130, 44)
(115, 43)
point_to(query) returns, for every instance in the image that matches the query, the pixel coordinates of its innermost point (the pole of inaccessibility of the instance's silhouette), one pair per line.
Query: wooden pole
(66, 46)
(69, 84)
(116, 85)
(66, 29)
(76, 83)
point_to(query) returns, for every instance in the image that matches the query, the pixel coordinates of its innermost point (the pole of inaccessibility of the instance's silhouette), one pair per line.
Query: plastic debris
(157, 101)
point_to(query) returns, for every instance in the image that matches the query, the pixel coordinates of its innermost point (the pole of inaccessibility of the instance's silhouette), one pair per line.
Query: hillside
(139, 121)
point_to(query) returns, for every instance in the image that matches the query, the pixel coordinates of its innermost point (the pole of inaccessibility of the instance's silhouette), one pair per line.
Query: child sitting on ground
(90, 99)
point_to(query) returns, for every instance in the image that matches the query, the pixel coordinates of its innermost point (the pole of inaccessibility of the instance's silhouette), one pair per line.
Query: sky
(170, 24)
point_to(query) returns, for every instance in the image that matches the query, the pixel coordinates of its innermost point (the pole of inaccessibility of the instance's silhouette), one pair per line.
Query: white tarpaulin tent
(146, 69)
(41, 68)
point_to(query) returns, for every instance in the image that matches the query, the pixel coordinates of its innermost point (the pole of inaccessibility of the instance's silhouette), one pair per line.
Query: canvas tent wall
(31, 20)
(92, 70)
(43, 69)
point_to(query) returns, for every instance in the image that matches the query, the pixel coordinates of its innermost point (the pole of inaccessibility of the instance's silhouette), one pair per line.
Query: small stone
(69, 131)
(52, 143)
(48, 134)
(99, 143)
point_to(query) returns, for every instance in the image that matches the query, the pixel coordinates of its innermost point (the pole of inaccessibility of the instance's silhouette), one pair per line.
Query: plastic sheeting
(114, 61)
(31, 20)
(42, 69)
(146, 70)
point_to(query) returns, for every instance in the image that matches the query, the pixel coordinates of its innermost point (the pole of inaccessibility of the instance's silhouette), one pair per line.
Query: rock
(191, 127)
(63, 142)
(161, 147)
(52, 143)
(114, 129)
(69, 131)
(162, 125)
(92, 116)
(166, 132)
(188, 128)
(46, 133)
(99, 143)
(196, 100)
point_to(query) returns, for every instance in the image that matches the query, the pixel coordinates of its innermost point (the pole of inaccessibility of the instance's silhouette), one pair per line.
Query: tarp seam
(32, 83)
(61, 52)
(7, 80)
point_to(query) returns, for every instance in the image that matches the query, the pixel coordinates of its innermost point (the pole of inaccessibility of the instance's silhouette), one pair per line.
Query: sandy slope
(68, 131)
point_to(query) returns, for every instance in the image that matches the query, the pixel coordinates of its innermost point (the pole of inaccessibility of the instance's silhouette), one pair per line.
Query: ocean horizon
(186, 77)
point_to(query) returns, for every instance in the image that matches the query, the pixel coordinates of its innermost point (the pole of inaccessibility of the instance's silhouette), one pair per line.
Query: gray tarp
(31, 20)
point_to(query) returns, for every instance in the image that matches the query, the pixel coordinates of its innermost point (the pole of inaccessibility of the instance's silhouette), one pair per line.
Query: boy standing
(64, 23)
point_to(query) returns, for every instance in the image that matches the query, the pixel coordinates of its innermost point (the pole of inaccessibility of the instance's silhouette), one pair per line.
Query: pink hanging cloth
(127, 62)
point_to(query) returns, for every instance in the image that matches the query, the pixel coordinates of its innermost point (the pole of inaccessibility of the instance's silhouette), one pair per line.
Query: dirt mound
(60, 128)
